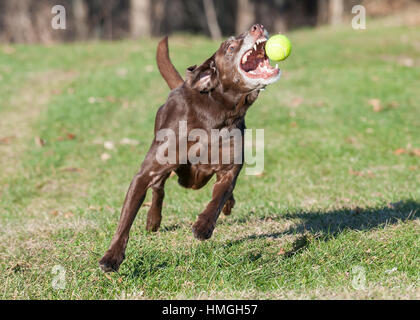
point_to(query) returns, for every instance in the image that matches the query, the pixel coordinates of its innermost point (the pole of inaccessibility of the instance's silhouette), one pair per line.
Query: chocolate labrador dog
(214, 95)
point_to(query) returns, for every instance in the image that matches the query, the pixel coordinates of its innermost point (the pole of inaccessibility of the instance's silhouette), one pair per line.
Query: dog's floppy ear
(203, 78)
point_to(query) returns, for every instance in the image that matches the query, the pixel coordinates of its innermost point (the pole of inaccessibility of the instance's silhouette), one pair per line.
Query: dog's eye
(231, 48)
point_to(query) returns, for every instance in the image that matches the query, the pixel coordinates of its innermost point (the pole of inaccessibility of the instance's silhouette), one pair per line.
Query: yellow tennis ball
(278, 47)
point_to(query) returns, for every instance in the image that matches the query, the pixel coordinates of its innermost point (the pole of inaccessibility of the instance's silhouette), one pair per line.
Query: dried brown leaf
(415, 152)
(6, 140)
(39, 141)
(296, 102)
(399, 151)
(105, 156)
(376, 104)
(71, 169)
(281, 252)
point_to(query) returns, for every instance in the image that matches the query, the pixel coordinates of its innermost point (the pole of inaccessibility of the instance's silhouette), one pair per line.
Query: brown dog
(215, 95)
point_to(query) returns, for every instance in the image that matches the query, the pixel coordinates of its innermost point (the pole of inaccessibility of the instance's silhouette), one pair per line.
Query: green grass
(334, 194)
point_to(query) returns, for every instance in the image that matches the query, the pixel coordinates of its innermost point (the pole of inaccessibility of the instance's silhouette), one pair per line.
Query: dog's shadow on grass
(310, 225)
(327, 225)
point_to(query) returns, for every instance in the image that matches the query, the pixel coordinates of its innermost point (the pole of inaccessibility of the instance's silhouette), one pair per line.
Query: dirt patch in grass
(35, 234)
(24, 108)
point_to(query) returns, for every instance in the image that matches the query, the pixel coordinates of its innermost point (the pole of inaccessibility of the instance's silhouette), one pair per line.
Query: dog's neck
(235, 104)
(232, 100)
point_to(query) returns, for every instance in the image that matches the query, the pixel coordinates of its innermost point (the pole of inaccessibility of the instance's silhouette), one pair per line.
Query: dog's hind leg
(154, 215)
(222, 191)
(230, 203)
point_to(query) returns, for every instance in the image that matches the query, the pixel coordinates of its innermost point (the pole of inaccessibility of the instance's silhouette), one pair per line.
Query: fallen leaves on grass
(281, 252)
(296, 102)
(128, 141)
(393, 104)
(105, 156)
(20, 267)
(319, 104)
(411, 152)
(94, 208)
(376, 105)
(399, 151)
(368, 173)
(109, 145)
(92, 100)
(68, 214)
(68, 136)
(111, 99)
(401, 60)
(72, 169)
(57, 213)
(351, 140)
(39, 141)
(7, 140)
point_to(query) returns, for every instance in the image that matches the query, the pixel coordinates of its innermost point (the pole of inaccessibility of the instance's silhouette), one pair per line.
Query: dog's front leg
(133, 200)
(151, 174)
(222, 192)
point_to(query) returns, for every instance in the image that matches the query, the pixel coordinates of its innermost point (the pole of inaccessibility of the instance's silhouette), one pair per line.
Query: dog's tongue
(251, 64)
(254, 59)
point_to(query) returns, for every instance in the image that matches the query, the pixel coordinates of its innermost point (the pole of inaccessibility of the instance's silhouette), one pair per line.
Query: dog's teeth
(277, 65)
(255, 47)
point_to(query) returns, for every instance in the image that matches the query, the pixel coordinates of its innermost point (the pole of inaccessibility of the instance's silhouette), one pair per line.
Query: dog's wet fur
(214, 95)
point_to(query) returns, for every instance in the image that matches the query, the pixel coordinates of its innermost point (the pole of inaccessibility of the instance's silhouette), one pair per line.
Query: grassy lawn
(335, 214)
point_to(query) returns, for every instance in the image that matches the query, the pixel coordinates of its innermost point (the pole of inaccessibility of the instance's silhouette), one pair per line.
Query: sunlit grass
(335, 194)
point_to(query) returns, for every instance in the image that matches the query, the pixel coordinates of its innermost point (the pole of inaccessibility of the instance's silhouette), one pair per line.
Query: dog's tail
(166, 68)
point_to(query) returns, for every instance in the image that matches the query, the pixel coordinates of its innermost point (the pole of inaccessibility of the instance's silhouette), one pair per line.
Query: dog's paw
(227, 209)
(203, 229)
(111, 261)
(152, 225)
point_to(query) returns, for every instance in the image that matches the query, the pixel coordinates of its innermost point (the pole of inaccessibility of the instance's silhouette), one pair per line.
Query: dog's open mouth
(255, 62)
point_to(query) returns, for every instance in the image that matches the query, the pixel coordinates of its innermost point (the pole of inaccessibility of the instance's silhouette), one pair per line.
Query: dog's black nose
(257, 29)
